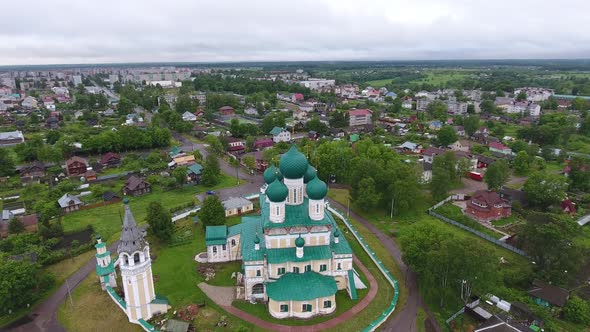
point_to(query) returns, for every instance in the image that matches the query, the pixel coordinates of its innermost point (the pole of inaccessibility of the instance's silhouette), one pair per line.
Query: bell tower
(136, 270)
(105, 269)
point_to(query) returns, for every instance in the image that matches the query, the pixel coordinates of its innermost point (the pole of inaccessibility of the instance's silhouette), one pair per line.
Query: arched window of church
(317, 208)
(215, 249)
(136, 257)
(278, 210)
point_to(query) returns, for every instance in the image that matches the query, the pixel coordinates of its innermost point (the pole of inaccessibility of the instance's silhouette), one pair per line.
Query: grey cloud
(83, 31)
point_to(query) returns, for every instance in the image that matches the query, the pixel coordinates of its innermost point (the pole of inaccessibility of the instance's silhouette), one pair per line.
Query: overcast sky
(104, 31)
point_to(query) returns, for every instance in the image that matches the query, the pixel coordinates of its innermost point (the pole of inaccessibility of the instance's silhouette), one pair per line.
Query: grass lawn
(93, 310)
(62, 270)
(107, 220)
(379, 83)
(420, 319)
(454, 212)
(400, 224)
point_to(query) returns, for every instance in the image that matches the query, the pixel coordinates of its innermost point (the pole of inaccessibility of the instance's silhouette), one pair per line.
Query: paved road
(44, 317)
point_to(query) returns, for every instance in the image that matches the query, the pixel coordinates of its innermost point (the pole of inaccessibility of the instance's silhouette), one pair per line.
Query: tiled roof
(488, 197)
(133, 182)
(301, 287)
(131, 237)
(65, 200)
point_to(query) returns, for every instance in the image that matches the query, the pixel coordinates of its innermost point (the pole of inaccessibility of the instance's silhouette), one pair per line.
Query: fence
(471, 230)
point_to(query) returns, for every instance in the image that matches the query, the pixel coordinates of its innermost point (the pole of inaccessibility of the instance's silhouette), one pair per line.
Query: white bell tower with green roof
(105, 268)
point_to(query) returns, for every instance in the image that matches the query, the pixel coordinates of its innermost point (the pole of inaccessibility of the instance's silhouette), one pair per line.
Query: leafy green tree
(235, 128)
(522, 163)
(470, 109)
(441, 181)
(437, 109)
(471, 123)
(497, 175)
(22, 283)
(7, 167)
(552, 244)
(316, 125)
(211, 171)
(519, 145)
(52, 137)
(521, 96)
(338, 119)
(446, 136)
(125, 106)
(545, 189)
(215, 145)
(212, 212)
(249, 161)
(580, 104)
(366, 198)
(198, 156)
(160, 222)
(579, 175)
(272, 120)
(577, 310)
(179, 174)
(15, 226)
(487, 106)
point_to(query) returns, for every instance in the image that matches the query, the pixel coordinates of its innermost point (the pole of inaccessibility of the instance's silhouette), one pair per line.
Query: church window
(215, 249)
(295, 269)
(223, 247)
(306, 308)
(284, 308)
(278, 210)
(233, 242)
(327, 304)
(323, 267)
(339, 266)
(136, 257)
(258, 273)
(281, 270)
(307, 268)
(317, 208)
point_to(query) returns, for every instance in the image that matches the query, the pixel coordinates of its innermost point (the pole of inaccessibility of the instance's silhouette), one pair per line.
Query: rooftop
(301, 287)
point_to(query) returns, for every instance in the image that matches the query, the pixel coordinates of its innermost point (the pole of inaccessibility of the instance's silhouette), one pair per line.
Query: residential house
(460, 130)
(110, 159)
(76, 166)
(359, 117)
(461, 145)
(30, 221)
(235, 145)
(263, 143)
(188, 116)
(136, 186)
(431, 152)
(337, 132)
(422, 104)
(486, 205)
(410, 147)
(498, 324)
(548, 295)
(457, 108)
(407, 103)
(227, 111)
(52, 122)
(297, 97)
(109, 196)
(69, 203)
(29, 103)
(89, 175)
(500, 148)
(194, 173)
(182, 160)
(391, 94)
(251, 111)
(11, 138)
(109, 112)
(434, 125)
(313, 135)
(235, 206)
(484, 161)
(568, 207)
(175, 151)
(32, 173)
(280, 135)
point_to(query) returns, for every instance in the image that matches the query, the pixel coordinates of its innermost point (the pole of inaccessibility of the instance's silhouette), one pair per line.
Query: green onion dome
(277, 191)
(293, 164)
(309, 174)
(299, 242)
(316, 189)
(270, 174)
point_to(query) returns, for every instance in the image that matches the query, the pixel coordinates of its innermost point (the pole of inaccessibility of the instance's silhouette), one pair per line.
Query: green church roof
(316, 189)
(293, 164)
(270, 174)
(101, 271)
(215, 235)
(310, 253)
(277, 191)
(301, 287)
(310, 174)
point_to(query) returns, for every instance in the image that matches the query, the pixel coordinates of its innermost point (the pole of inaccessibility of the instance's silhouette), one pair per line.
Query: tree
(522, 163)
(580, 104)
(552, 244)
(215, 145)
(22, 283)
(52, 137)
(446, 136)
(441, 181)
(487, 106)
(470, 109)
(519, 145)
(249, 161)
(497, 174)
(579, 176)
(577, 310)
(316, 125)
(7, 167)
(15, 226)
(545, 189)
(212, 212)
(521, 96)
(437, 109)
(198, 156)
(471, 123)
(179, 174)
(211, 171)
(338, 119)
(367, 197)
(160, 222)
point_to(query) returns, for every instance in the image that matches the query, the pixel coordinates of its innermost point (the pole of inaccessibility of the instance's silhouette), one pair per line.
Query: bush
(577, 310)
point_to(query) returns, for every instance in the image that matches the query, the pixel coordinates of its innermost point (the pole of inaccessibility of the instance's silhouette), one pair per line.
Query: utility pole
(391, 216)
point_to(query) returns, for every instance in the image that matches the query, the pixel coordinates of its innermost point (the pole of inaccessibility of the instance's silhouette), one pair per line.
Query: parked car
(476, 176)
(210, 192)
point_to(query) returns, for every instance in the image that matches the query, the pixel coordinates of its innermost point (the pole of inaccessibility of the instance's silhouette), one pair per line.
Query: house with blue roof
(293, 255)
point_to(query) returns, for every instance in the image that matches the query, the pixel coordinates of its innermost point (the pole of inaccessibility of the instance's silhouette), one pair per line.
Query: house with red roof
(111, 159)
(263, 143)
(500, 148)
(227, 111)
(76, 166)
(359, 117)
(297, 97)
(487, 205)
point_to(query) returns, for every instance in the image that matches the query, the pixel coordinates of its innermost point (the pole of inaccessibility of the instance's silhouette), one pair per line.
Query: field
(107, 220)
